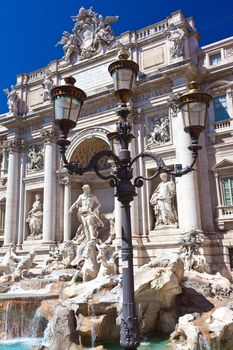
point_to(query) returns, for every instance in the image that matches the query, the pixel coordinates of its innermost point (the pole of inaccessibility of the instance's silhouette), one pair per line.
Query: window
(215, 58)
(220, 108)
(227, 189)
(230, 250)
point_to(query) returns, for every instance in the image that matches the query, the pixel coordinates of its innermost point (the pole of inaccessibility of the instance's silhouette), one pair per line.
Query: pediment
(224, 164)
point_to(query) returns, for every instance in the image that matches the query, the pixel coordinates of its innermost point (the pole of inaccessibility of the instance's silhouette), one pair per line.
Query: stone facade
(169, 57)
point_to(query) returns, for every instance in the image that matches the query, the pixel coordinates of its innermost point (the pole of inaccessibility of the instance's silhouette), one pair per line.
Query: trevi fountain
(60, 268)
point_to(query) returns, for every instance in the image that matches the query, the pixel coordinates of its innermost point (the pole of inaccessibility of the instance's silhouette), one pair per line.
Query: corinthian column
(187, 186)
(67, 205)
(11, 217)
(49, 211)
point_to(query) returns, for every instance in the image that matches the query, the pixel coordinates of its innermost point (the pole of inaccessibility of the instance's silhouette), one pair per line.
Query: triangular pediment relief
(222, 165)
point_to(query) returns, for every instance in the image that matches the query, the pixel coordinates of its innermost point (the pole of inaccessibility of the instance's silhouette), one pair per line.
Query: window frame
(215, 54)
(221, 110)
(222, 178)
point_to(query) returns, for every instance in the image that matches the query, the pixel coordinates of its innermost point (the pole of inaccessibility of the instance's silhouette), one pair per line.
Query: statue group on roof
(91, 35)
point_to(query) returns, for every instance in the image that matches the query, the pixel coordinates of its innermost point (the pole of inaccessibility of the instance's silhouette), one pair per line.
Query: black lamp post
(67, 101)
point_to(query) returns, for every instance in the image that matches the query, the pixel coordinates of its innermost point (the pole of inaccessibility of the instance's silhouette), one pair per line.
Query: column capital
(48, 135)
(137, 116)
(173, 104)
(64, 179)
(15, 145)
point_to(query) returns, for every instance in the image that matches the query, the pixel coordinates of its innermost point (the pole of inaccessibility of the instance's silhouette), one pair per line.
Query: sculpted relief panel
(158, 129)
(35, 160)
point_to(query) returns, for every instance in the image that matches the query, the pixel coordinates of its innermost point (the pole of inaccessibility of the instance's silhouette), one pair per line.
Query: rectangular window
(220, 108)
(230, 250)
(215, 58)
(227, 190)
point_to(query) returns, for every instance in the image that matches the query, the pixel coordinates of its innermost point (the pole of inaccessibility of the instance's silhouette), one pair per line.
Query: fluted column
(143, 206)
(22, 168)
(49, 211)
(11, 217)
(67, 205)
(187, 186)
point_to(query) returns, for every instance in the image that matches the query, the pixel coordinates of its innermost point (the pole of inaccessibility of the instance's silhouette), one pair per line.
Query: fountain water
(91, 315)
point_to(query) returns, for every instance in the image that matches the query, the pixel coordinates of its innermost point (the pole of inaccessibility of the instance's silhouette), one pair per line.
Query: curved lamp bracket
(138, 182)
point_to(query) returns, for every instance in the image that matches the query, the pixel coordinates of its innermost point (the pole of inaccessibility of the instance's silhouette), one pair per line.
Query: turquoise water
(26, 344)
(158, 343)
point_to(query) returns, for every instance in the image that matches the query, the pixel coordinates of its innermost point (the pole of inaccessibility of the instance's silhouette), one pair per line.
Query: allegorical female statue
(162, 200)
(35, 218)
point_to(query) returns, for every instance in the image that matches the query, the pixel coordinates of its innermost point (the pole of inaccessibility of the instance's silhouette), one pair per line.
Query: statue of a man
(162, 201)
(47, 85)
(87, 206)
(12, 100)
(35, 218)
(176, 37)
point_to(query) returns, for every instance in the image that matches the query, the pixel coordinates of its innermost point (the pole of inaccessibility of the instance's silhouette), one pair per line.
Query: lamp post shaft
(130, 335)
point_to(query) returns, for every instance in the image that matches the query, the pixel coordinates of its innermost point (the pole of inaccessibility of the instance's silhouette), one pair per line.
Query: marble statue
(54, 255)
(162, 201)
(9, 261)
(160, 133)
(23, 266)
(12, 100)
(176, 37)
(47, 85)
(35, 218)
(36, 160)
(190, 251)
(106, 257)
(92, 34)
(87, 206)
(88, 266)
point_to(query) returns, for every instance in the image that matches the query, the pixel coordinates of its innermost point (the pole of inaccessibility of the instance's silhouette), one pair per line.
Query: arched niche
(83, 146)
(86, 150)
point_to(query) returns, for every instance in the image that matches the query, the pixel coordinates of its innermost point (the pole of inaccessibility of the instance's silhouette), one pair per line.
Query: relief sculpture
(161, 131)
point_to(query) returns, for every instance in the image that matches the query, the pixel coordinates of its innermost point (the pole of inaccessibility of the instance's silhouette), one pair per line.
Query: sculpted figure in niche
(12, 100)
(176, 38)
(36, 160)
(35, 218)
(87, 206)
(47, 85)
(162, 201)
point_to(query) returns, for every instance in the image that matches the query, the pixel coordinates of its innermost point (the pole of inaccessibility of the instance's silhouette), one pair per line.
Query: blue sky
(31, 28)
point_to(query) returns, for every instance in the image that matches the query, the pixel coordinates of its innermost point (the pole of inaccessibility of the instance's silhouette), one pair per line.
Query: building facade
(169, 57)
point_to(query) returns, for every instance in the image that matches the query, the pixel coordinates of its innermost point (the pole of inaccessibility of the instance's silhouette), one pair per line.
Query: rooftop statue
(47, 85)
(92, 34)
(176, 37)
(12, 100)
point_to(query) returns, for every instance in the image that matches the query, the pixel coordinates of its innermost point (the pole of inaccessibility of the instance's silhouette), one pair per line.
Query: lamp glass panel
(62, 107)
(123, 78)
(194, 114)
(75, 109)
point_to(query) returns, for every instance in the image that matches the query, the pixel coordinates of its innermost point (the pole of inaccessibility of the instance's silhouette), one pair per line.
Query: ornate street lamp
(67, 104)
